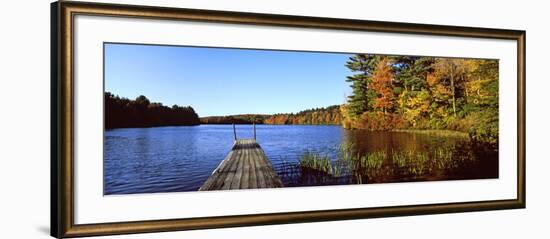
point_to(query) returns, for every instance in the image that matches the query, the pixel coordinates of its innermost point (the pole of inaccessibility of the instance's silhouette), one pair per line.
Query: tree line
(125, 113)
(122, 112)
(235, 119)
(318, 116)
(409, 92)
(325, 115)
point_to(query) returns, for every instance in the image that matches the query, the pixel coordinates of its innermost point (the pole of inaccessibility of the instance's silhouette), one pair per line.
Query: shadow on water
(365, 157)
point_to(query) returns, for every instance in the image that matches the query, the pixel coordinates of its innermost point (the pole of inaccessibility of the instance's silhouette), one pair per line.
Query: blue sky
(222, 81)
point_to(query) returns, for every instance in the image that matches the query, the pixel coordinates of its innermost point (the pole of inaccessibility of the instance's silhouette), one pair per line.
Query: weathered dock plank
(245, 167)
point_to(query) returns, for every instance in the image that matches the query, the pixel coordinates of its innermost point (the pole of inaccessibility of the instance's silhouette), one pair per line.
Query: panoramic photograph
(186, 118)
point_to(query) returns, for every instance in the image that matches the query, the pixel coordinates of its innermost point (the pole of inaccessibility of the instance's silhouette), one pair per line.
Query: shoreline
(435, 132)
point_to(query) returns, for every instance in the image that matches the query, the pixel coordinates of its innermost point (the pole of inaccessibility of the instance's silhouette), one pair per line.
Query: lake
(179, 159)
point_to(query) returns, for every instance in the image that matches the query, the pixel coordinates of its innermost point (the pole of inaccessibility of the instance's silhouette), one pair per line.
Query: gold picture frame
(62, 128)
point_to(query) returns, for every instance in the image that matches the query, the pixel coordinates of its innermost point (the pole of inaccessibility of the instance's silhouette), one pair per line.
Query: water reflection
(179, 159)
(382, 157)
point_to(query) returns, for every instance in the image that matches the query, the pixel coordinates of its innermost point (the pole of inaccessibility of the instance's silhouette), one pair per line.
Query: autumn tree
(481, 89)
(389, 92)
(317, 116)
(453, 74)
(381, 84)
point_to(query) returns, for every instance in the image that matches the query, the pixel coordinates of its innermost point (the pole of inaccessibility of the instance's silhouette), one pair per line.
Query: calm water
(176, 159)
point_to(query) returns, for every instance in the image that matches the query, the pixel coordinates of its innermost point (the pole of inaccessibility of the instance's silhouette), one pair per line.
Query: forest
(235, 119)
(326, 116)
(407, 92)
(316, 116)
(138, 113)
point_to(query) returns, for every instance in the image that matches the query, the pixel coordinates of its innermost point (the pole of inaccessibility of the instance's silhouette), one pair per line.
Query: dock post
(254, 124)
(234, 132)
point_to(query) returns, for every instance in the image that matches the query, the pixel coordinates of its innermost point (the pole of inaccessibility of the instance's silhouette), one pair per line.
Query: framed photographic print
(172, 119)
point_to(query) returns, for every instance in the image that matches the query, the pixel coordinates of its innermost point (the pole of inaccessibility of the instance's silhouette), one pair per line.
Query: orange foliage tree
(382, 85)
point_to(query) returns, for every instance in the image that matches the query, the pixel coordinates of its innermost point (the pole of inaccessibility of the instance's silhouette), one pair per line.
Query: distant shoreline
(436, 132)
(228, 124)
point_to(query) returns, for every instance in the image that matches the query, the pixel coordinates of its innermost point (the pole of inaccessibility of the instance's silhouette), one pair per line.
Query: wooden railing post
(254, 124)
(234, 132)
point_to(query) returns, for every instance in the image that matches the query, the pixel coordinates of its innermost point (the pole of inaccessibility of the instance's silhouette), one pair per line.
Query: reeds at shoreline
(408, 163)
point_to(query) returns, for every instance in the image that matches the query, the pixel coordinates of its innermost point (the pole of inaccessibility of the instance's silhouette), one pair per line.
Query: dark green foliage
(361, 98)
(138, 113)
(411, 71)
(235, 119)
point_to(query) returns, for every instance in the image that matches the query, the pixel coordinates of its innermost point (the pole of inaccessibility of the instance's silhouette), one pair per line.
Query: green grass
(315, 161)
(376, 163)
(436, 132)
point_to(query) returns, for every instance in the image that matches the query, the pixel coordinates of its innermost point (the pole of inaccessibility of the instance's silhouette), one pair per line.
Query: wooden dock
(245, 167)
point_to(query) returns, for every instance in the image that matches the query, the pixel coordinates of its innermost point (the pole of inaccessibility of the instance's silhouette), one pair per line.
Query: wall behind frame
(25, 121)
